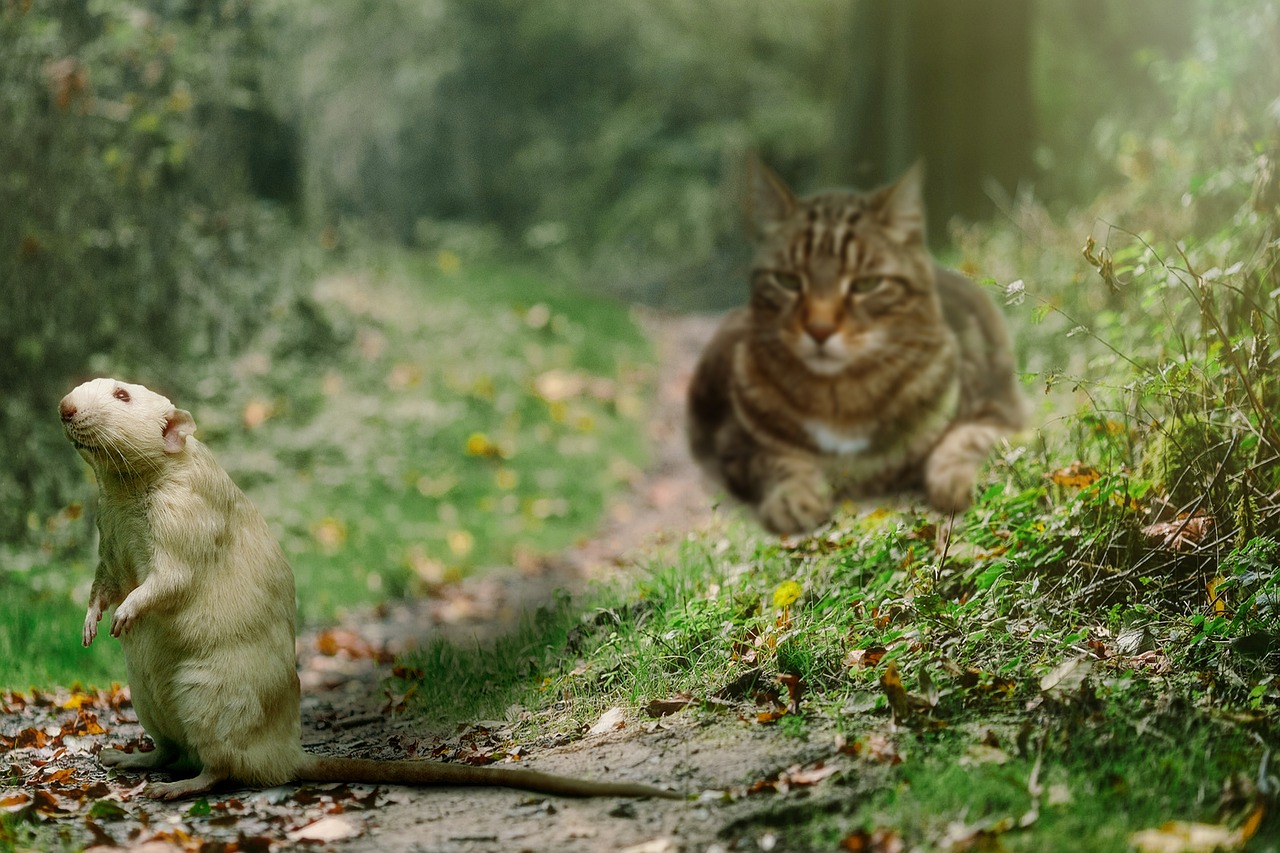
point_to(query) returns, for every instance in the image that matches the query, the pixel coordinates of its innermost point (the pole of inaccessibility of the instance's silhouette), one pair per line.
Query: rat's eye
(121, 395)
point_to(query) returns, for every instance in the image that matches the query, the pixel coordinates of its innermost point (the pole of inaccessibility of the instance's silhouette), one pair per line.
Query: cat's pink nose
(820, 332)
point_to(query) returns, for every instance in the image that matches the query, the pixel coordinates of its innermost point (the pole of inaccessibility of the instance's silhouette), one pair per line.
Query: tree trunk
(949, 82)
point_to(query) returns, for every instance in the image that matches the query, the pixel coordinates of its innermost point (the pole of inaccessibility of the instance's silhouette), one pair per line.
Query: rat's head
(127, 429)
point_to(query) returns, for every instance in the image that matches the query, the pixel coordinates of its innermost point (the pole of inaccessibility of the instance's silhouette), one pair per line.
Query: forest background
(174, 173)
(388, 254)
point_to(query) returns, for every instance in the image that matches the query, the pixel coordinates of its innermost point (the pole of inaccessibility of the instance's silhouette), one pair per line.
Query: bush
(129, 232)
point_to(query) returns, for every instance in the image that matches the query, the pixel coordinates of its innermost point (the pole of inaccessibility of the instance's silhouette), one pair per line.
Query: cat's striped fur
(858, 366)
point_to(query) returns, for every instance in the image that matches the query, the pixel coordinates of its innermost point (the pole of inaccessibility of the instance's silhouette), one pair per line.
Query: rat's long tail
(315, 768)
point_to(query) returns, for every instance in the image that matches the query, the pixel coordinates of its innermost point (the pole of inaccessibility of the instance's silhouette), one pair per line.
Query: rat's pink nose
(67, 409)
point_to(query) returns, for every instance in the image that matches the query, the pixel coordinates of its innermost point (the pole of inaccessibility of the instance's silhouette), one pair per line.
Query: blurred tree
(949, 82)
(130, 243)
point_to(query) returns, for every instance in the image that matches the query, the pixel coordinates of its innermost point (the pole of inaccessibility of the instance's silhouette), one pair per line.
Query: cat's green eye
(788, 281)
(866, 284)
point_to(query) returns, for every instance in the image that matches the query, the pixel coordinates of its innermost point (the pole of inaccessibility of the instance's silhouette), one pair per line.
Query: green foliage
(390, 465)
(600, 137)
(129, 242)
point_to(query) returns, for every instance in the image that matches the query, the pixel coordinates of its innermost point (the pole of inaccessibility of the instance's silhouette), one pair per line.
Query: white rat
(204, 609)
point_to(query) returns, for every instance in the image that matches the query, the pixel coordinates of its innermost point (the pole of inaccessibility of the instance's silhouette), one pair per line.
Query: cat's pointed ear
(901, 206)
(768, 199)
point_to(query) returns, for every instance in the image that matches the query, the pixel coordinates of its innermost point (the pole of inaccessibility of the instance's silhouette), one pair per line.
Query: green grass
(40, 643)
(1136, 743)
(430, 420)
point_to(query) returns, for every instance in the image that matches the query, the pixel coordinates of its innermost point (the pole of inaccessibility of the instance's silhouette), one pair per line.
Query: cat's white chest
(837, 442)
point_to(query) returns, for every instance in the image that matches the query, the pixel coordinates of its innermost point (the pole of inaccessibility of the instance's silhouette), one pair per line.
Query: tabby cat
(858, 366)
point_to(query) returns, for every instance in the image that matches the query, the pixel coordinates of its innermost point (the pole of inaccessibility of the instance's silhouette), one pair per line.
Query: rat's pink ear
(177, 427)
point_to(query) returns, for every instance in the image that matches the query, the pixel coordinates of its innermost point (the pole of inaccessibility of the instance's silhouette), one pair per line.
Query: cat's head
(841, 276)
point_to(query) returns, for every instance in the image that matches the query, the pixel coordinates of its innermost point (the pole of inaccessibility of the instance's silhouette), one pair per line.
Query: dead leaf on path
(1066, 677)
(657, 845)
(772, 715)
(796, 776)
(1182, 534)
(610, 721)
(324, 830)
(1182, 837)
(16, 802)
(795, 690)
(333, 641)
(876, 748)
(670, 705)
(811, 776)
(876, 841)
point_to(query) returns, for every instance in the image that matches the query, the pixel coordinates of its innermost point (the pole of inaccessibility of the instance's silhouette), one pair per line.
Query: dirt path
(722, 763)
(713, 759)
(661, 505)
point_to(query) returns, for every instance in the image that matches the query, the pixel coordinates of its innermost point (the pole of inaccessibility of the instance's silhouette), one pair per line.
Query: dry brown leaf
(812, 775)
(670, 705)
(610, 721)
(1182, 534)
(795, 690)
(1067, 676)
(881, 750)
(865, 658)
(891, 683)
(333, 641)
(1077, 475)
(876, 841)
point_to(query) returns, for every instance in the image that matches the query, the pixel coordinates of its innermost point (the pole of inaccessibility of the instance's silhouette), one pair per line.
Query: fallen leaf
(657, 845)
(333, 641)
(610, 721)
(1180, 534)
(811, 776)
(795, 690)
(1181, 837)
(16, 802)
(670, 705)
(865, 658)
(772, 715)
(891, 683)
(325, 829)
(1077, 475)
(880, 749)
(1067, 676)
(876, 841)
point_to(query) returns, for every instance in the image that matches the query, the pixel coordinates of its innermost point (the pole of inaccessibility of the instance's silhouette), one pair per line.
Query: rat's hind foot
(201, 784)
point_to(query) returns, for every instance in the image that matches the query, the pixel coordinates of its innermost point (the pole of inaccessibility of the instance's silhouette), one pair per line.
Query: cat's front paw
(949, 487)
(796, 506)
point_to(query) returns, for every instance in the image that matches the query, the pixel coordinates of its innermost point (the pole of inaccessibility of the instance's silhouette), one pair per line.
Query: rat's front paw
(91, 624)
(126, 614)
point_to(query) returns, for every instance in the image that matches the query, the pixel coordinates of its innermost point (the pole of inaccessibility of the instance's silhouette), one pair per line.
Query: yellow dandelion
(786, 594)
